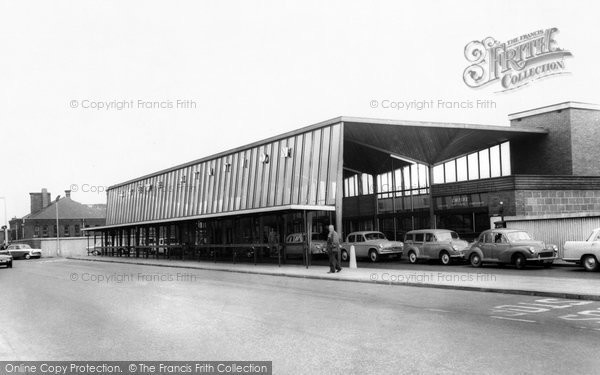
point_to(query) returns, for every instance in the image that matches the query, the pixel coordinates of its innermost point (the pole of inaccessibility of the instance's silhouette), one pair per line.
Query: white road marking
(518, 320)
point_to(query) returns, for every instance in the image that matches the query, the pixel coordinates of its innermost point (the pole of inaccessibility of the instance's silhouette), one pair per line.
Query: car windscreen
(518, 236)
(447, 236)
(374, 236)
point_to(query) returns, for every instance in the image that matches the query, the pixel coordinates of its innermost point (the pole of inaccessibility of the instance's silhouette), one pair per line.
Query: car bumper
(542, 259)
(390, 251)
(572, 260)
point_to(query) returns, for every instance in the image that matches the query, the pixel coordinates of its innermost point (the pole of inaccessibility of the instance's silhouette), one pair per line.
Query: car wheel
(412, 257)
(519, 261)
(475, 260)
(345, 255)
(445, 258)
(27, 256)
(590, 263)
(373, 256)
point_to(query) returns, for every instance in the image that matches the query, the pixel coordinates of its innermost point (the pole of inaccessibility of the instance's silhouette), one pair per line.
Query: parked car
(95, 249)
(371, 244)
(20, 250)
(294, 244)
(510, 246)
(6, 260)
(585, 253)
(441, 244)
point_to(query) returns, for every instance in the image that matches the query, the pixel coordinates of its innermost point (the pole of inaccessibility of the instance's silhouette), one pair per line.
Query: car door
(487, 246)
(430, 247)
(419, 241)
(360, 246)
(15, 251)
(501, 247)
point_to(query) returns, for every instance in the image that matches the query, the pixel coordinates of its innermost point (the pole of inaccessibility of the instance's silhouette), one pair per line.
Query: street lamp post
(57, 228)
(502, 214)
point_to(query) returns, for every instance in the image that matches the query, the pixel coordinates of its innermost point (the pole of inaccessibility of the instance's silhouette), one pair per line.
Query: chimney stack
(39, 201)
(68, 193)
(45, 198)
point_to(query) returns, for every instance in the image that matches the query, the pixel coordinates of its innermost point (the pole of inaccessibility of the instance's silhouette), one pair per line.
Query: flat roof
(553, 107)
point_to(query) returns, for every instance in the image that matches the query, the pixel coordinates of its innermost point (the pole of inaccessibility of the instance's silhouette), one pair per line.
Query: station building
(541, 173)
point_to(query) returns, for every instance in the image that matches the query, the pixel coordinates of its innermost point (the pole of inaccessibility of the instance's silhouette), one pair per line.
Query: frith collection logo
(514, 63)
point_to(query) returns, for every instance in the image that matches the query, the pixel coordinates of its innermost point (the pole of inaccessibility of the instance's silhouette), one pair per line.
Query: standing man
(333, 249)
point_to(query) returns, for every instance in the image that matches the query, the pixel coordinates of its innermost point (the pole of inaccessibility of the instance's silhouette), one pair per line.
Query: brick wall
(548, 202)
(547, 155)
(585, 142)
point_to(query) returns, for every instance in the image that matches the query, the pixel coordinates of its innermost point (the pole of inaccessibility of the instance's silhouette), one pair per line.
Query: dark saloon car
(510, 246)
(6, 260)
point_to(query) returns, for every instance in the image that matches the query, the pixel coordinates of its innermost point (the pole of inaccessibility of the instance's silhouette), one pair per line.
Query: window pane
(406, 177)
(473, 166)
(414, 174)
(505, 155)
(438, 174)
(461, 169)
(450, 170)
(484, 164)
(495, 161)
(398, 177)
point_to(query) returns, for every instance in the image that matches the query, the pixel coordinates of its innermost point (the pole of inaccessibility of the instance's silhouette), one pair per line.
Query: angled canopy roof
(368, 140)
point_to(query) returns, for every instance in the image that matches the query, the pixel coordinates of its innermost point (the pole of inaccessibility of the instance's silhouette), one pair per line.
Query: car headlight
(381, 246)
(531, 249)
(455, 247)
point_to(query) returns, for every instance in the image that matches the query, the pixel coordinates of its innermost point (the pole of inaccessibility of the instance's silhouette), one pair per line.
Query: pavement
(522, 284)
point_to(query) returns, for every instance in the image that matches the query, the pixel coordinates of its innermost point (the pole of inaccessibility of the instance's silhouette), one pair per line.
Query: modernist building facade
(363, 174)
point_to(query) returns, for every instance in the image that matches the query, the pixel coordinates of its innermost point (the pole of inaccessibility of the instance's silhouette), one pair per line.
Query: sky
(99, 92)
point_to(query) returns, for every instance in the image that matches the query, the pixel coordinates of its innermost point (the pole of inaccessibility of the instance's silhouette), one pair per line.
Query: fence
(557, 230)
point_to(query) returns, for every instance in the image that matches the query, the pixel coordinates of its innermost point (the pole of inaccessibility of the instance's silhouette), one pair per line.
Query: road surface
(57, 309)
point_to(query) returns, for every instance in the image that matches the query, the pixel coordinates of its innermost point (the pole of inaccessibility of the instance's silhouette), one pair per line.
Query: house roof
(69, 209)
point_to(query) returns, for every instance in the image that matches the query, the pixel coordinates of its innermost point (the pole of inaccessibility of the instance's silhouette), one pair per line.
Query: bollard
(352, 257)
